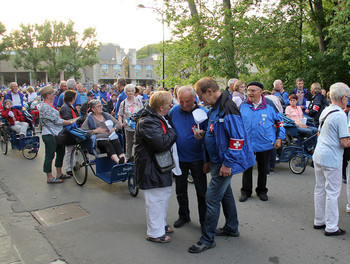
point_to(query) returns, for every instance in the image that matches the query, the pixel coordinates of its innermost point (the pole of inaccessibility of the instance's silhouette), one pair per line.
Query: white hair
(231, 81)
(129, 87)
(276, 82)
(186, 88)
(70, 83)
(338, 90)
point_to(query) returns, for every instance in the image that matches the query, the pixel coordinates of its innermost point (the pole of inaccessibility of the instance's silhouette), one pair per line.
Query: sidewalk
(20, 239)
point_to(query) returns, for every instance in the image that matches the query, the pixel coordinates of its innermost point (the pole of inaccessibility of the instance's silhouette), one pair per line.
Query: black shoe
(222, 232)
(243, 198)
(319, 226)
(70, 173)
(263, 197)
(339, 232)
(180, 222)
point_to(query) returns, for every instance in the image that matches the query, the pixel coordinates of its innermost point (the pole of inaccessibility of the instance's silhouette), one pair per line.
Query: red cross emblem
(236, 144)
(211, 128)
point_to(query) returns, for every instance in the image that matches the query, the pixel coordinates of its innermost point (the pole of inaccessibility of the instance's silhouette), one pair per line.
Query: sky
(116, 21)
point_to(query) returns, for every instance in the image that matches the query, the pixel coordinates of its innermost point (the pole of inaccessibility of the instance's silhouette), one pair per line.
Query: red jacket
(18, 115)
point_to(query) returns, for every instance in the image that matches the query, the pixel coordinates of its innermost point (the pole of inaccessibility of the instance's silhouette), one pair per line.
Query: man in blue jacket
(191, 155)
(15, 96)
(260, 118)
(230, 152)
(302, 93)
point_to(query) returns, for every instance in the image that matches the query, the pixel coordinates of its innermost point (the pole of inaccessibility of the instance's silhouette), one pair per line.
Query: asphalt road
(114, 230)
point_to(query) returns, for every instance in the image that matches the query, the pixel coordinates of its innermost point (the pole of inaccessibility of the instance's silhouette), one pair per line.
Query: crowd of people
(243, 126)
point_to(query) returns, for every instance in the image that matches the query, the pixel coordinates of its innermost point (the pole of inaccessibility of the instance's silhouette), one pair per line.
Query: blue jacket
(260, 124)
(305, 97)
(9, 96)
(120, 99)
(189, 149)
(226, 139)
(284, 97)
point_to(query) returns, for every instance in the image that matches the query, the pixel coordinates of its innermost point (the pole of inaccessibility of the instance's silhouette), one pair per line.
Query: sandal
(162, 239)
(168, 229)
(199, 247)
(54, 180)
(64, 176)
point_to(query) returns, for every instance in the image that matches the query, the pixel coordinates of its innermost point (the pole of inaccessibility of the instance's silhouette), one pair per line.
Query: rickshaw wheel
(132, 185)
(29, 152)
(79, 165)
(3, 141)
(297, 164)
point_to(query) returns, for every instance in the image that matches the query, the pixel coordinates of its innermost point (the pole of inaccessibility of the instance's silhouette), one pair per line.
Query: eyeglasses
(251, 91)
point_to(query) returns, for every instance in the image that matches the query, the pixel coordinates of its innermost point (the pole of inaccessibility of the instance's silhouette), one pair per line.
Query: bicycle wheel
(132, 185)
(79, 165)
(297, 164)
(4, 141)
(29, 151)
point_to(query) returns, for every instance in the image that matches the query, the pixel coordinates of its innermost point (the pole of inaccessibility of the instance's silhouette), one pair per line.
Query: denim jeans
(219, 190)
(200, 183)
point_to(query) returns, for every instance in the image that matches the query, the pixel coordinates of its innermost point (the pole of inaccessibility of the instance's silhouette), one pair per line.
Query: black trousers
(200, 183)
(262, 159)
(110, 147)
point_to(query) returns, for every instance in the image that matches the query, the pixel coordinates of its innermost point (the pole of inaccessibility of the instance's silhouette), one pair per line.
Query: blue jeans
(219, 190)
(308, 132)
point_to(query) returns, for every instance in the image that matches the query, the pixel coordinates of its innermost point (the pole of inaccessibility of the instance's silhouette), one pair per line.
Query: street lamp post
(163, 44)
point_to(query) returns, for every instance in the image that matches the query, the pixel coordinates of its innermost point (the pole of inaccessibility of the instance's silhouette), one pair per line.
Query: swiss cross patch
(236, 144)
(194, 128)
(211, 128)
(316, 108)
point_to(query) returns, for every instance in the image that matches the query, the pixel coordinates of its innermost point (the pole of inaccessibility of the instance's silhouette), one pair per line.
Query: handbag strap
(326, 117)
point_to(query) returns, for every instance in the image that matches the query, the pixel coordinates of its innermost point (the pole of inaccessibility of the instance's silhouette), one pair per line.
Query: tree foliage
(55, 47)
(146, 51)
(282, 39)
(3, 43)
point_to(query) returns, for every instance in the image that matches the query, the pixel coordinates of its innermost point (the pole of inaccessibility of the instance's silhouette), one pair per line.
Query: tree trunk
(319, 19)
(229, 34)
(197, 27)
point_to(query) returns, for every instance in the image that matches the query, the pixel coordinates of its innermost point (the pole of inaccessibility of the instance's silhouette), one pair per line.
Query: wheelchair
(29, 145)
(295, 150)
(85, 154)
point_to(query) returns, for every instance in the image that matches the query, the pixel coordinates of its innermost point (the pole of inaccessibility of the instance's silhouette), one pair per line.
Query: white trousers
(348, 187)
(327, 191)
(156, 204)
(20, 128)
(68, 156)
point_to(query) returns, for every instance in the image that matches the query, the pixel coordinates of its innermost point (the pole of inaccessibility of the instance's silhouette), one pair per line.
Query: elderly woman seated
(15, 118)
(294, 112)
(96, 123)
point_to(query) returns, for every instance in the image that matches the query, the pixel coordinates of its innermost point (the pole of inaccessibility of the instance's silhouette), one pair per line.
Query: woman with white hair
(131, 105)
(333, 138)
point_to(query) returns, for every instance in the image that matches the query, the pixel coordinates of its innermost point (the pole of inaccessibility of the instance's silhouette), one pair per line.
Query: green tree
(146, 51)
(4, 43)
(64, 49)
(27, 53)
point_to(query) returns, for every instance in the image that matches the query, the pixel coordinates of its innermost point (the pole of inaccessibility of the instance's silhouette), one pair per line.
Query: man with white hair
(190, 151)
(62, 88)
(278, 87)
(230, 85)
(333, 138)
(15, 96)
(71, 86)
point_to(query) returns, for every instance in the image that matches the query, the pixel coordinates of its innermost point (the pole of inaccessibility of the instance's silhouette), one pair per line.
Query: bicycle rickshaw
(29, 145)
(295, 150)
(86, 155)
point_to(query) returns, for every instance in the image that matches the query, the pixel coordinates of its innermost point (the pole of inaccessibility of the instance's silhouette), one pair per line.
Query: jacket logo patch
(316, 108)
(211, 128)
(236, 144)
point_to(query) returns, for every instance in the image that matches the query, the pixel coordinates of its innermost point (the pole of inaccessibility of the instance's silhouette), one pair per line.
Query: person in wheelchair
(294, 112)
(15, 119)
(96, 123)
